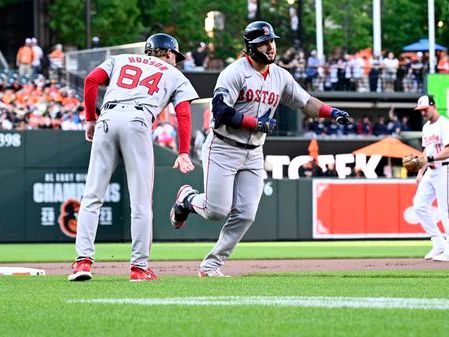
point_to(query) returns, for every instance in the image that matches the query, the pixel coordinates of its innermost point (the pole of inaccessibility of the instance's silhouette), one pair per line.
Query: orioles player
(246, 96)
(433, 177)
(139, 88)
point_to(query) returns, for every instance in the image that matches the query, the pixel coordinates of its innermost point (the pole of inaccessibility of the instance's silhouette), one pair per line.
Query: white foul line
(292, 301)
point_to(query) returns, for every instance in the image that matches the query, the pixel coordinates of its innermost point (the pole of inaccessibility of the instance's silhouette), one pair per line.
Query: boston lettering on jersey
(264, 96)
(144, 60)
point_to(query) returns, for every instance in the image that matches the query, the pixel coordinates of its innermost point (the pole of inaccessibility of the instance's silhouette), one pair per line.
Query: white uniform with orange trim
(435, 182)
(233, 158)
(140, 87)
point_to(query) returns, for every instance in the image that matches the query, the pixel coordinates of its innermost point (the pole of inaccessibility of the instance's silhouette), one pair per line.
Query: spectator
(95, 42)
(366, 71)
(374, 74)
(311, 70)
(358, 65)
(332, 128)
(199, 55)
(299, 68)
(189, 63)
(394, 126)
(418, 67)
(330, 171)
(357, 173)
(319, 127)
(24, 58)
(212, 62)
(390, 68)
(401, 72)
(347, 73)
(286, 60)
(365, 127)
(350, 129)
(404, 124)
(56, 58)
(310, 169)
(333, 75)
(406, 68)
(379, 128)
(37, 57)
(443, 64)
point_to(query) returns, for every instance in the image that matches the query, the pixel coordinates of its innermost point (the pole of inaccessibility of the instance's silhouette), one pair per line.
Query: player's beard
(262, 58)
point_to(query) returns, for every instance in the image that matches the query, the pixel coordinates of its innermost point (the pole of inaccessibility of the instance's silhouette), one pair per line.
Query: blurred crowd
(204, 58)
(362, 71)
(28, 100)
(28, 103)
(364, 127)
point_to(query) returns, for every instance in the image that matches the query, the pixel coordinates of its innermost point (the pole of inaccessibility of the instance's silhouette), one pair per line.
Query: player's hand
(342, 117)
(90, 130)
(265, 123)
(183, 163)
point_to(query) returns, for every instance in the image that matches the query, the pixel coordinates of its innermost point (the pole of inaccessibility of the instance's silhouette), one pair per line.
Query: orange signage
(381, 208)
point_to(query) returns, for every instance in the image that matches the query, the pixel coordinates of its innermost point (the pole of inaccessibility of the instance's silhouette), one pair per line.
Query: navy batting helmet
(255, 33)
(164, 41)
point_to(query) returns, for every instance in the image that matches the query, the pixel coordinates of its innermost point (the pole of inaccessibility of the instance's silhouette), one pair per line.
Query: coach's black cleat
(180, 211)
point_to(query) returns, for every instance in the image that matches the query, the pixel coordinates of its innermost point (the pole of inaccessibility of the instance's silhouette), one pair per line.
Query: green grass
(197, 251)
(37, 306)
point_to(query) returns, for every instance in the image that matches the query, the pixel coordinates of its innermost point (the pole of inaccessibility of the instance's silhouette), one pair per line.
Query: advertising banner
(365, 209)
(438, 86)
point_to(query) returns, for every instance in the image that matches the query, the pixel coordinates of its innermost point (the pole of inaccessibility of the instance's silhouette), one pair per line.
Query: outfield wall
(42, 175)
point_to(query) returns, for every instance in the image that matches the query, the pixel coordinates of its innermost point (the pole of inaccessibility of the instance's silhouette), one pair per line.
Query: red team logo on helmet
(68, 218)
(266, 30)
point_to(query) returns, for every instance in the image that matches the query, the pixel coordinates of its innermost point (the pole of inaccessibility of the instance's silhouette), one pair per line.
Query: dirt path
(244, 267)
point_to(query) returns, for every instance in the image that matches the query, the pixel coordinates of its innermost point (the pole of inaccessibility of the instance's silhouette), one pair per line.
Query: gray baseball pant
(233, 185)
(121, 133)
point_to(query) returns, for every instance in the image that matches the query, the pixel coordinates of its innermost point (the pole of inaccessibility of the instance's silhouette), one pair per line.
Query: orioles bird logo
(68, 217)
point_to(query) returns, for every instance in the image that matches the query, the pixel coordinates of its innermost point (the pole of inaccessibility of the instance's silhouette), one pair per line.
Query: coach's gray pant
(120, 133)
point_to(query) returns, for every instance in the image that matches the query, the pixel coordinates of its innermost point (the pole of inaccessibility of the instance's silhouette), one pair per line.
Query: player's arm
(442, 155)
(183, 162)
(316, 108)
(227, 115)
(96, 77)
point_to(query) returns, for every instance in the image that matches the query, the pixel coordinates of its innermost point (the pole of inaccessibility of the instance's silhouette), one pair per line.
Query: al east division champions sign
(57, 197)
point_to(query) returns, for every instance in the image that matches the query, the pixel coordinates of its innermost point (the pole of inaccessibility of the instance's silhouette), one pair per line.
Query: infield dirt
(245, 267)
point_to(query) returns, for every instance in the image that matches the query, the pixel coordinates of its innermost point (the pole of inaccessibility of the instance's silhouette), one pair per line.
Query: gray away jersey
(248, 92)
(151, 82)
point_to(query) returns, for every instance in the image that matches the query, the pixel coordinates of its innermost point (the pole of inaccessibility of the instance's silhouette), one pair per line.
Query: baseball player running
(433, 177)
(246, 96)
(139, 88)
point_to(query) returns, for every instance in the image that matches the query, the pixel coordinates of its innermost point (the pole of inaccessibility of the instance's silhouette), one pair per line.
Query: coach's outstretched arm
(183, 162)
(317, 108)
